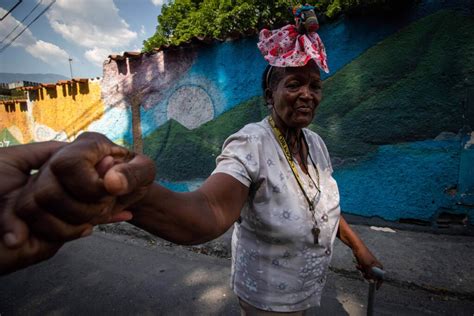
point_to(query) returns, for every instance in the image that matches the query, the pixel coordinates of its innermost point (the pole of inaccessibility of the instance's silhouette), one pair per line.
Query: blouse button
(325, 217)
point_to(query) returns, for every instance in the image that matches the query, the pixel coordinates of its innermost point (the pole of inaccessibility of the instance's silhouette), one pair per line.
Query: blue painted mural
(395, 85)
(408, 180)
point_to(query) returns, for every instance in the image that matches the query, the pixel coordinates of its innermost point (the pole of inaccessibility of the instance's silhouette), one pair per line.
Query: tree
(181, 20)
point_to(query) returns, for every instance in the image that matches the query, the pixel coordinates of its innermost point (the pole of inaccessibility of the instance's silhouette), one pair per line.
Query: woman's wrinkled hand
(365, 262)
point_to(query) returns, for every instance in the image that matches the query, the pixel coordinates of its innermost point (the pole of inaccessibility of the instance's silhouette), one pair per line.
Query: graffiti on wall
(391, 114)
(4, 143)
(53, 112)
(371, 117)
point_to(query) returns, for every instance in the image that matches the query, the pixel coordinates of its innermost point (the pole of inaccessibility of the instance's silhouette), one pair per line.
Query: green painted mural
(395, 113)
(7, 139)
(407, 89)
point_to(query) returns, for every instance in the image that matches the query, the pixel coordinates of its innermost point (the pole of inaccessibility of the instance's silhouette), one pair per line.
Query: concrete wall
(57, 112)
(392, 114)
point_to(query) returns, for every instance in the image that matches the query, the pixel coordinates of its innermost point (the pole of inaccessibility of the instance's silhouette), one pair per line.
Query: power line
(26, 27)
(9, 11)
(21, 22)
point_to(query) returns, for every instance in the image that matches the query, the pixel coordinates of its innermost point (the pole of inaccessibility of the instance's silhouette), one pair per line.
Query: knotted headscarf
(294, 45)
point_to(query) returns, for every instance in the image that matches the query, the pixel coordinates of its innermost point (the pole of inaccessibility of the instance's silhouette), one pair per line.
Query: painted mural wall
(51, 112)
(397, 112)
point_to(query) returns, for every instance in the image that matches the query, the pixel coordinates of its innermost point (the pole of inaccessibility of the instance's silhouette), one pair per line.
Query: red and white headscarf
(286, 47)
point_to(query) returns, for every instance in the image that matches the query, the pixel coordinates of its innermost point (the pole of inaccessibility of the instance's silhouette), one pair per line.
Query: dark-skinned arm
(78, 185)
(365, 259)
(191, 217)
(348, 236)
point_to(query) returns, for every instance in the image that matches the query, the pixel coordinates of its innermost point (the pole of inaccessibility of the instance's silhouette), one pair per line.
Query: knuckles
(92, 136)
(70, 189)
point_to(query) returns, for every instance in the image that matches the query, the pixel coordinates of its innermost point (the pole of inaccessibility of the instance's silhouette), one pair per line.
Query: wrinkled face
(296, 96)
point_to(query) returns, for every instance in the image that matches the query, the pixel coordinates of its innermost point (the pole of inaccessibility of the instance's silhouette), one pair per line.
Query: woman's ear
(269, 97)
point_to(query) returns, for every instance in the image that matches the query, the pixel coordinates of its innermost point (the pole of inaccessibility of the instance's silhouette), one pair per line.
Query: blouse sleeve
(321, 150)
(326, 155)
(240, 157)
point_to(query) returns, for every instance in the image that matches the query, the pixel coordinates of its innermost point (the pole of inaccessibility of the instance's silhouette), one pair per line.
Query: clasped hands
(54, 192)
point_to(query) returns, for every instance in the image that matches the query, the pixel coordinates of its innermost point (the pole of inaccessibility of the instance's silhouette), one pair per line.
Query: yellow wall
(59, 112)
(69, 108)
(15, 121)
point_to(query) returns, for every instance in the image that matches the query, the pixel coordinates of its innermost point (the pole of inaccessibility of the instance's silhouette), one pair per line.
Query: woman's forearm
(191, 217)
(184, 218)
(348, 236)
(365, 259)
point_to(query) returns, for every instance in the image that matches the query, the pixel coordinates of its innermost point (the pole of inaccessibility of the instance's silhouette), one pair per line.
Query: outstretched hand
(88, 182)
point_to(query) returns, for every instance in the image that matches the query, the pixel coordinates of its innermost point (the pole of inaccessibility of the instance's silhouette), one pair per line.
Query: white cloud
(158, 2)
(47, 52)
(93, 24)
(97, 55)
(142, 30)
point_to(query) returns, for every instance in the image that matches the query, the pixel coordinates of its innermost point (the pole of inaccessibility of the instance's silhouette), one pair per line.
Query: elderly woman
(274, 181)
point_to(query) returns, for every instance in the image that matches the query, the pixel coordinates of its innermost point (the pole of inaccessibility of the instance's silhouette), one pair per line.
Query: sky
(87, 31)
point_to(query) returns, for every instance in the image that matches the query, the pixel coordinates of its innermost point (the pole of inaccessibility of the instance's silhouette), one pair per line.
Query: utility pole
(70, 66)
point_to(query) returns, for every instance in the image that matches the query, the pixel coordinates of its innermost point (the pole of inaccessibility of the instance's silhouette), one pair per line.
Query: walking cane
(379, 275)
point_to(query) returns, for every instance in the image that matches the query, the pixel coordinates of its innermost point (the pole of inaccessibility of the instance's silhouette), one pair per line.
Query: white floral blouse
(276, 265)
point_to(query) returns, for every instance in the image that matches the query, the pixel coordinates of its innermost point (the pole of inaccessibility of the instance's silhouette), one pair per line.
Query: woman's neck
(294, 140)
(292, 134)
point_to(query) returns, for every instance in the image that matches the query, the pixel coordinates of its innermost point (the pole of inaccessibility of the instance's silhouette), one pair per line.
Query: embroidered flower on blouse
(252, 138)
(251, 285)
(253, 254)
(287, 215)
(254, 219)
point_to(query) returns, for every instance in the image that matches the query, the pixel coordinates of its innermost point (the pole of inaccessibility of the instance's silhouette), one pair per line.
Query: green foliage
(181, 20)
(333, 8)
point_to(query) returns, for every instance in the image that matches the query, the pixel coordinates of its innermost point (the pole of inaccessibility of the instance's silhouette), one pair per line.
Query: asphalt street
(108, 274)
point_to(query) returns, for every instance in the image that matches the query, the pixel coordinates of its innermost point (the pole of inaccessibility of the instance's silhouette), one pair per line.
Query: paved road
(107, 274)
